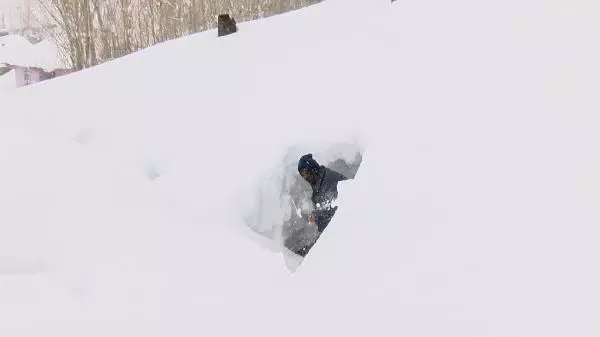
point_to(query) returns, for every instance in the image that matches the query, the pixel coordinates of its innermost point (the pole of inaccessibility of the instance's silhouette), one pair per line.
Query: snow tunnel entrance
(288, 214)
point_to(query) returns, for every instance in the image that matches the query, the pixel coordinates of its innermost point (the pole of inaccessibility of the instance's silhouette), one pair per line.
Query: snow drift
(474, 212)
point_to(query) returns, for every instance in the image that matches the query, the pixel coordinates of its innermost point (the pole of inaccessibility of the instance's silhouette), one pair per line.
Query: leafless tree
(90, 32)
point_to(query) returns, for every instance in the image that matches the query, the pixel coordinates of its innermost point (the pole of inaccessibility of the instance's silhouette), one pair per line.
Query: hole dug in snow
(291, 211)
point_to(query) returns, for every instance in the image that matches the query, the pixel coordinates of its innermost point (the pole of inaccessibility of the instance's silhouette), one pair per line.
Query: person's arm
(336, 176)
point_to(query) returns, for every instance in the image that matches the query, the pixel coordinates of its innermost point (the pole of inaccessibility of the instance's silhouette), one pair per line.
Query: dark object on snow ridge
(226, 25)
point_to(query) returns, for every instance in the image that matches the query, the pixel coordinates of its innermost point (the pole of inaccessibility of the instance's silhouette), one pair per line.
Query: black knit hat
(307, 162)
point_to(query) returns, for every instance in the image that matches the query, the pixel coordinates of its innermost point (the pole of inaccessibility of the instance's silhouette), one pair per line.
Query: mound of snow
(475, 207)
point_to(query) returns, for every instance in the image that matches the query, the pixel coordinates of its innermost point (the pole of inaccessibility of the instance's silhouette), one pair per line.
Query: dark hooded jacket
(324, 186)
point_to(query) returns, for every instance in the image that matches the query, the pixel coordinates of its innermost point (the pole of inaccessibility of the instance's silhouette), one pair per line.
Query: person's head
(308, 167)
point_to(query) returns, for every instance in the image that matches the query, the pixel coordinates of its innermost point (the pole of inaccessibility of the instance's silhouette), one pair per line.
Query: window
(26, 76)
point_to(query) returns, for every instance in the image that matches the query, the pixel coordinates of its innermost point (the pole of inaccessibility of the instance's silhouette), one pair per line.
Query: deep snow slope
(474, 213)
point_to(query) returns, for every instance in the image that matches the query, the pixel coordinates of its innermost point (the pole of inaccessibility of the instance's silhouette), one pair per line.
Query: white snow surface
(475, 211)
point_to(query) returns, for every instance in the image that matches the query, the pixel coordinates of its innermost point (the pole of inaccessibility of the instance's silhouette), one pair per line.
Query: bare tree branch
(95, 31)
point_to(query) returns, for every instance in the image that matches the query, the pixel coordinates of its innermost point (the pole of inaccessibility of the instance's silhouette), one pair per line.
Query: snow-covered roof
(18, 51)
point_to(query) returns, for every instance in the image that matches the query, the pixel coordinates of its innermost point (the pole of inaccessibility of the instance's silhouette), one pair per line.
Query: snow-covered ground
(126, 188)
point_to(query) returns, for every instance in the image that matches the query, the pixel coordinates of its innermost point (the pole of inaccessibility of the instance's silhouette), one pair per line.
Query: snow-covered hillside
(127, 188)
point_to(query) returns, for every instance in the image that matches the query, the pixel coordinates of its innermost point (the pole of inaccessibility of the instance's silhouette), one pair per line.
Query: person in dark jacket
(324, 182)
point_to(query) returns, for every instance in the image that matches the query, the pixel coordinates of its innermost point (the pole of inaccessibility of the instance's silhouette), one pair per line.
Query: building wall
(60, 72)
(56, 73)
(20, 76)
(27, 76)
